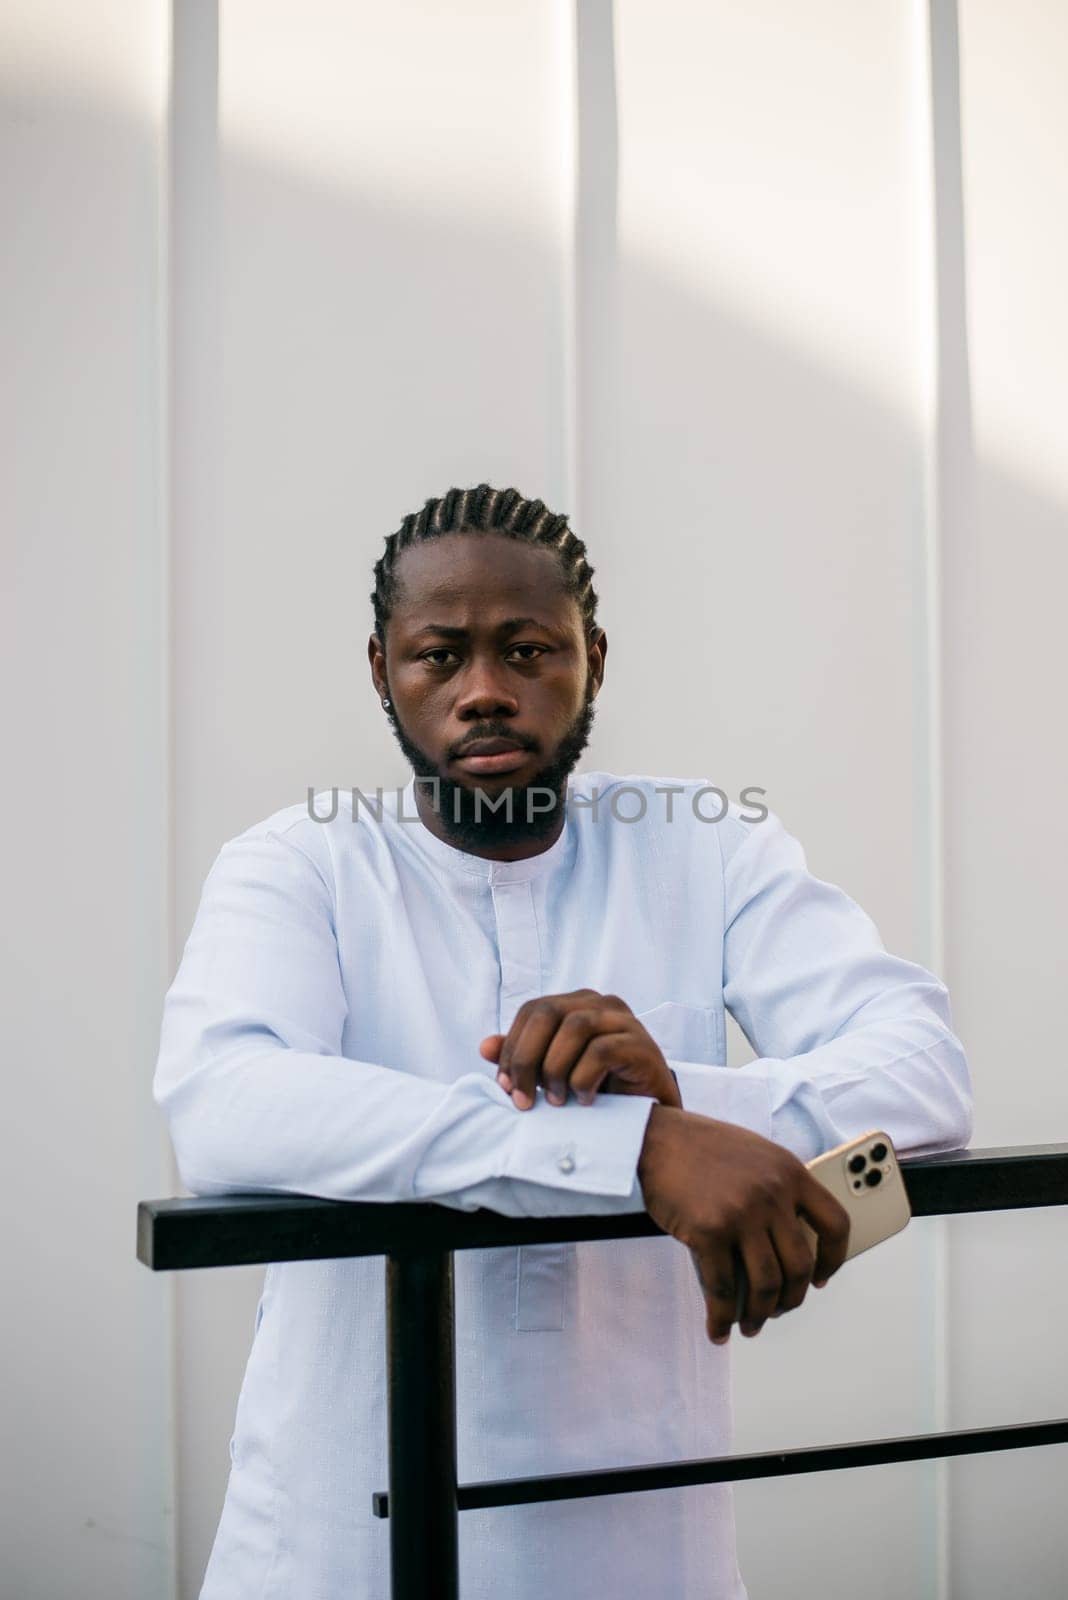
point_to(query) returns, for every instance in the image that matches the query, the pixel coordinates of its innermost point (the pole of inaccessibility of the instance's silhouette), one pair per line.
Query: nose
(485, 691)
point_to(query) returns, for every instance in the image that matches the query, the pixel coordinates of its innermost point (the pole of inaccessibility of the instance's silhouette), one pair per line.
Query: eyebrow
(509, 625)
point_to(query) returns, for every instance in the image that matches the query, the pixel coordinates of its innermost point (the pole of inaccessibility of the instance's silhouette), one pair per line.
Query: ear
(376, 655)
(596, 651)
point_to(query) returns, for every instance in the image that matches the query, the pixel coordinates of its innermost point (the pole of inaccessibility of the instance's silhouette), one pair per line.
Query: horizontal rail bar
(735, 1469)
(243, 1230)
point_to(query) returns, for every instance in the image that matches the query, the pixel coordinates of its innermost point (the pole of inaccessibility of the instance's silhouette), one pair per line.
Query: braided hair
(486, 510)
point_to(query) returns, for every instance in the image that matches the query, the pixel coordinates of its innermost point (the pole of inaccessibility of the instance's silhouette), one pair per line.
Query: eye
(441, 650)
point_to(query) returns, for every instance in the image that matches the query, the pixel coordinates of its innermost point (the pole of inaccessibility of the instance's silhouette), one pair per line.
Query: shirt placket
(541, 1271)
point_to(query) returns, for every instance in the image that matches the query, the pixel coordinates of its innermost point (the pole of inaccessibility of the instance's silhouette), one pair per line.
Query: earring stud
(386, 703)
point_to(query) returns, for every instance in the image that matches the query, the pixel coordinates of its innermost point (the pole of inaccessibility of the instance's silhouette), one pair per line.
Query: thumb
(490, 1047)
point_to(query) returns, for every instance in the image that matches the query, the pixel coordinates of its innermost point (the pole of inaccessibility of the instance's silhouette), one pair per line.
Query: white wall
(1006, 576)
(769, 301)
(86, 1497)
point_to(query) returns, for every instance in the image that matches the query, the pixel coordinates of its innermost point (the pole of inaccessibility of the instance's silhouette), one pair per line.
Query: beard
(522, 812)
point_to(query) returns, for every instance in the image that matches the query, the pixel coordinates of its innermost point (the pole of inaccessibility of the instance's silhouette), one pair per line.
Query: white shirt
(321, 1037)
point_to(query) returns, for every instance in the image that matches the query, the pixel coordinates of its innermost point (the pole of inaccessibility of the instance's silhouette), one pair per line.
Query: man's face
(485, 643)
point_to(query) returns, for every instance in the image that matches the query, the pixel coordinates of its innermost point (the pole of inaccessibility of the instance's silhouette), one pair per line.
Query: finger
(618, 1051)
(602, 1055)
(528, 1039)
(521, 1054)
(830, 1221)
(490, 1048)
(796, 1258)
(577, 1029)
(717, 1272)
(764, 1276)
(597, 1064)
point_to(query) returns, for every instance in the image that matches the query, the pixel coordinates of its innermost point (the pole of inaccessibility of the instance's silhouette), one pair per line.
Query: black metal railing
(418, 1241)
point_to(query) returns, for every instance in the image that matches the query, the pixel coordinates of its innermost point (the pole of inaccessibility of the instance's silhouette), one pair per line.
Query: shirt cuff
(729, 1094)
(590, 1149)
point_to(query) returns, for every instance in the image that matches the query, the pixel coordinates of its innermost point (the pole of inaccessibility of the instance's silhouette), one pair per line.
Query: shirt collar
(456, 860)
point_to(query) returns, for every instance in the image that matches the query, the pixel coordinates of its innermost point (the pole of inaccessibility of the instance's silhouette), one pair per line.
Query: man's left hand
(582, 1041)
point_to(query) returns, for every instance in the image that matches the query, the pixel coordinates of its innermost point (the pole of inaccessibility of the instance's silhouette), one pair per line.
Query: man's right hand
(734, 1198)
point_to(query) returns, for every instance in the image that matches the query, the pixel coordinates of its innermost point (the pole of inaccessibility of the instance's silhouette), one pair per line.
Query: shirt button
(566, 1163)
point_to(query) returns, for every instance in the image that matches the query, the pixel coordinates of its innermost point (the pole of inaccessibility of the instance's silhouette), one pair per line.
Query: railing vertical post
(423, 1519)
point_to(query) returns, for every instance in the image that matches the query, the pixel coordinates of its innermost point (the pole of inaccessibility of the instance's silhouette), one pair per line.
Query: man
(515, 999)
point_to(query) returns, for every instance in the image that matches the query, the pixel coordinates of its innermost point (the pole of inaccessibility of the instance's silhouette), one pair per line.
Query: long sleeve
(259, 1097)
(848, 1037)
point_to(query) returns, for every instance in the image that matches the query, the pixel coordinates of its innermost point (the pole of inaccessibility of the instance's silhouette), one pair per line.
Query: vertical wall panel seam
(928, 111)
(595, 228)
(951, 445)
(165, 600)
(193, 341)
(567, 22)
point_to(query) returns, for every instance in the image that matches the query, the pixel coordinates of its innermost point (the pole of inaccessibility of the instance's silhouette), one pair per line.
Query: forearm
(276, 1119)
(259, 1095)
(907, 1076)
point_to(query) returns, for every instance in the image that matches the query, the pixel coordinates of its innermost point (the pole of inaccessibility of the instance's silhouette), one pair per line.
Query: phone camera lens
(878, 1152)
(857, 1163)
(873, 1177)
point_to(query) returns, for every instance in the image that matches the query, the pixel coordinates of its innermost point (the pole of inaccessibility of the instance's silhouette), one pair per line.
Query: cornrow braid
(483, 509)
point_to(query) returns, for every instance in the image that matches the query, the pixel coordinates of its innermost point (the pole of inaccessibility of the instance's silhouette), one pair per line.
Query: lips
(492, 755)
(488, 747)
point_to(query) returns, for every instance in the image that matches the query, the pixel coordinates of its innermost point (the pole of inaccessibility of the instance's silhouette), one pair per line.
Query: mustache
(492, 733)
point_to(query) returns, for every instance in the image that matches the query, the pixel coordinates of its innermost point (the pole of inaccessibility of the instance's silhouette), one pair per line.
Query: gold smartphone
(864, 1176)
